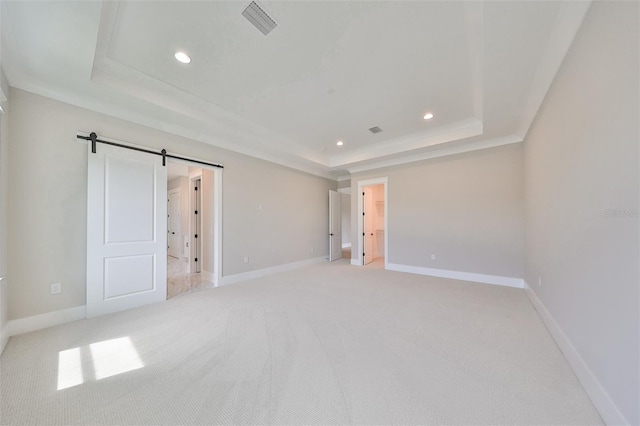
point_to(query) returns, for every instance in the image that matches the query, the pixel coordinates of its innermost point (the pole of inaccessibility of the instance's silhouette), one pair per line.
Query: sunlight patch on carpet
(108, 358)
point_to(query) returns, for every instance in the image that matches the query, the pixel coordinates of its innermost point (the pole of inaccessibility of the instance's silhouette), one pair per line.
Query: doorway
(372, 223)
(127, 227)
(196, 265)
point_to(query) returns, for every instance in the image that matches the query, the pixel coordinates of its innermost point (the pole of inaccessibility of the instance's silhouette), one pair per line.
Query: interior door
(126, 230)
(174, 238)
(335, 229)
(368, 224)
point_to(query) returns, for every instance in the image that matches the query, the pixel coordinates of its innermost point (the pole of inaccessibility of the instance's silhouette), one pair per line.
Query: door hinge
(363, 194)
(196, 212)
(363, 254)
(196, 188)
(196, 259)
(196, 235)
(363, 234)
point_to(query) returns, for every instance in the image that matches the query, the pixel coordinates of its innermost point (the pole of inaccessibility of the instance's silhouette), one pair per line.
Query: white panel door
(368, 225)
(126, 230)
(335, 230)
(174, 236)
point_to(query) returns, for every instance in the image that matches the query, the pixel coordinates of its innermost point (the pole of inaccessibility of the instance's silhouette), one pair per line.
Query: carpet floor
(325, 344)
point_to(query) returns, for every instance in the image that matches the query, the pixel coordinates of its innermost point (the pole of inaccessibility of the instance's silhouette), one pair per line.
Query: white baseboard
(50, 319)
(599, 396)
(356, 262)
(347, 245)
(244, 276)
(4, 337)
(456, 275)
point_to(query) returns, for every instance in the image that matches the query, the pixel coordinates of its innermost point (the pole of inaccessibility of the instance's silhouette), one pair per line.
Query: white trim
(361, 184)
(258, 273)
(217, 226)
(343, 178)
(346, 245)
(50, 319)
(446, 150)
(457, 275)
(599, 396)
(346, 190)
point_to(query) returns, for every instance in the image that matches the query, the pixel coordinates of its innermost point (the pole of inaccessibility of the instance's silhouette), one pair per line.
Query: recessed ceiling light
(428, 116)
(182, 57)
(339, 143)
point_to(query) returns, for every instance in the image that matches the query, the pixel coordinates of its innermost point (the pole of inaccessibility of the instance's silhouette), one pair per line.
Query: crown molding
(442, 152)
(440, 135)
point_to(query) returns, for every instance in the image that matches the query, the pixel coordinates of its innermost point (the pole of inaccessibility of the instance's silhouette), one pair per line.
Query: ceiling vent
(259, 18)
(375, 130)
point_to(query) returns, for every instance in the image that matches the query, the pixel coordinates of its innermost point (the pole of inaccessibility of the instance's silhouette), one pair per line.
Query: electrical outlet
(258, 206)
(246, 259)
(56, 288)
(539, 281)
(312, 249)
(433, 257)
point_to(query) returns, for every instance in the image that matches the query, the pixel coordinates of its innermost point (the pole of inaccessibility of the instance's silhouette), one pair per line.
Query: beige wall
(466, 209)
(47, 203)
(581, 160)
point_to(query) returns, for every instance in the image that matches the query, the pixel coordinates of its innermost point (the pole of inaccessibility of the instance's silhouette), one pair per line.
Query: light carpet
(325, 344)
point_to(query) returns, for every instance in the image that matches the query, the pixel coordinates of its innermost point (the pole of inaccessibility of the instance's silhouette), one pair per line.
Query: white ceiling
(329, 71)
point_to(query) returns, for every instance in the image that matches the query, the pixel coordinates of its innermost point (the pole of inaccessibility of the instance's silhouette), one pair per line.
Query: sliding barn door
(335, 226)
(126, 230)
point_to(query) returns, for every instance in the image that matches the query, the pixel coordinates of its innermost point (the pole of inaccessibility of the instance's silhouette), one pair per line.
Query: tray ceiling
(328, 72)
